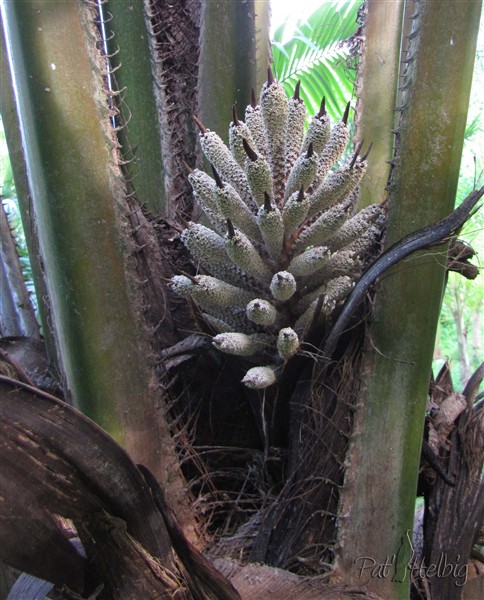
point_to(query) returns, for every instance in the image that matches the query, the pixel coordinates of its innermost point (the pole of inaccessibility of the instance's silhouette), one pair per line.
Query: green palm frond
(474, 126)
(317, 47)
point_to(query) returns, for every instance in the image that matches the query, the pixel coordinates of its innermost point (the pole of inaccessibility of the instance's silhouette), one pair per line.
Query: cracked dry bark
(453, 512)
(47, 446)
(65, 465)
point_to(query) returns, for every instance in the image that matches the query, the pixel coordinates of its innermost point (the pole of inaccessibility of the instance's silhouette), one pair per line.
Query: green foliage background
(320, 44)
(9, 200)
(462, 294)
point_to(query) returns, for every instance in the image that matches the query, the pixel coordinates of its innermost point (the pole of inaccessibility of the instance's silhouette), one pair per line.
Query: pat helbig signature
(393, 566)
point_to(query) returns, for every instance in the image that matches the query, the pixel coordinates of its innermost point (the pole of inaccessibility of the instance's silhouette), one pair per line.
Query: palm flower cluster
(285, 245)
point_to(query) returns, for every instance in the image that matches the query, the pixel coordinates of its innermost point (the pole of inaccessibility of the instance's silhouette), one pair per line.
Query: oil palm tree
(105, 95)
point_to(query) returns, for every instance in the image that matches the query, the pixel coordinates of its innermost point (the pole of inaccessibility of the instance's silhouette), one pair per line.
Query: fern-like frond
(319, 46)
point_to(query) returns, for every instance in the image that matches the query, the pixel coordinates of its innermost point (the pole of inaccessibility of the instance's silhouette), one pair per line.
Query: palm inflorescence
(286, 244)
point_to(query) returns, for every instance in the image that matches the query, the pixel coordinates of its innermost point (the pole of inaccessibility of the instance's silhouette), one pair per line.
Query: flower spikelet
(245, 255)
(259, 378)
(240, 344)
(232, 207)
(259, 174)
(271, 225)
(283, 286)
(296, 118)
(238, 132)
(303, 171)
(287, 343)
(318, 131)
(218, 325)
(208, 249)
(205, 187)
(211, 292)
(355, 227)
(262, 312)
(325, 225)
(205, 245)
(308, 262)
(274, 106)
(338, 184)
(367, 240)
(334, 148)
(217, 153)
(331, 292)
(336, 289)
(341, 262)
(255, 123)
(295, 211)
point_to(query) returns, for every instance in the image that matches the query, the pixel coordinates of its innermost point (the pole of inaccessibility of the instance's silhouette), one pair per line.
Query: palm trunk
(130, 68)
(384, 460)
(174, 41)
(84, 216)
(376, 88)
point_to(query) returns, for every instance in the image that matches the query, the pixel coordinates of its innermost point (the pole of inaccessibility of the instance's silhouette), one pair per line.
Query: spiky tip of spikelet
(259, 378)
(283, 286)
(272, 227)
(287, 343)
(261, 311)
(288, 247)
